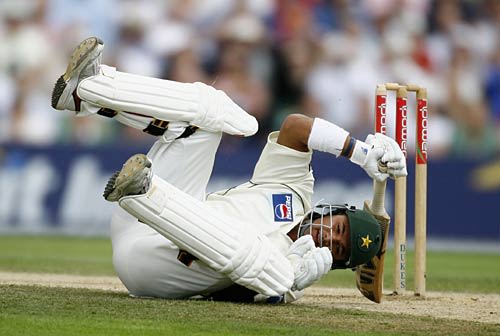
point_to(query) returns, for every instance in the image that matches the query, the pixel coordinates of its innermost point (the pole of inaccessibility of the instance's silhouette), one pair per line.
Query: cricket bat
(370, 276)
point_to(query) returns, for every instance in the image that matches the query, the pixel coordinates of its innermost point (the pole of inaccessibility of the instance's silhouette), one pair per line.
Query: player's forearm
(328, 137)
(303, 133)
(295, 131)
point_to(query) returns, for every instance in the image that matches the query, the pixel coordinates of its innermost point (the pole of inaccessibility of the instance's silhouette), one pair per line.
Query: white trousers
(145, 261)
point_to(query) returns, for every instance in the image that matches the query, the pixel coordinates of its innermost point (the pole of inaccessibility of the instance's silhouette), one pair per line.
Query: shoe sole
(86, 51)
(132, 170)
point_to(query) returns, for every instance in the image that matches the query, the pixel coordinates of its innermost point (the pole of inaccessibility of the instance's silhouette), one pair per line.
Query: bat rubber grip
(382, 167)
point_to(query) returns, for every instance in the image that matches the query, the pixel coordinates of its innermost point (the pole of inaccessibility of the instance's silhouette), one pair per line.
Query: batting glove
(367, 155)
(393, 155)
(310, 263)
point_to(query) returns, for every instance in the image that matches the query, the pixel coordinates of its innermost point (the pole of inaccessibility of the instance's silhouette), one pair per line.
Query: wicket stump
(401, 136)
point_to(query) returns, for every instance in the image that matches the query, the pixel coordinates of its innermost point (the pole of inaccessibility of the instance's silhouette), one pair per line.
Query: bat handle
(382, 166)
(377, 206)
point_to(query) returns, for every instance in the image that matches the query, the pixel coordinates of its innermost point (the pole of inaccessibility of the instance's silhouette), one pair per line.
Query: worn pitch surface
(458, 306)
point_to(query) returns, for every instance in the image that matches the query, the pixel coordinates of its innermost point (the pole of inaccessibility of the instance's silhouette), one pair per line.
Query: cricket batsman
(260, 241)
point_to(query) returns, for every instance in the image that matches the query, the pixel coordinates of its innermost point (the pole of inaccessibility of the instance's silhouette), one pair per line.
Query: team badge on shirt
(282, 204)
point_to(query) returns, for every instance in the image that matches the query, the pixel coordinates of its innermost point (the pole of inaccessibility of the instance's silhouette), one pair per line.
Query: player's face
(334, 235)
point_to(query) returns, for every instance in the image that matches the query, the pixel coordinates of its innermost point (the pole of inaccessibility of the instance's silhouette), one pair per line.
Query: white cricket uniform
(273, 202)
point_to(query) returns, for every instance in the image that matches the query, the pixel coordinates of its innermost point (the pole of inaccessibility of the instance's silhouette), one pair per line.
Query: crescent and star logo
(366, 241)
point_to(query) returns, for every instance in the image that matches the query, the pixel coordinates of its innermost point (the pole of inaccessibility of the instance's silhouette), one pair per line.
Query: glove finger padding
(382, 138)
(306, 272)
(309, 262)
(323, 258)
(327, 258)
(370, 139)
(396, 165)
(393, 156)
(371, 164)
(374, 156)
(393, 152)
(320, 265)
(311, 267)
(395, 173)
(302, 245)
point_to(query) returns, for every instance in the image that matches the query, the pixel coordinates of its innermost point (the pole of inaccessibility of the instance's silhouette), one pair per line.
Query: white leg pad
(133, 120)
(197, 103)
(223, 243)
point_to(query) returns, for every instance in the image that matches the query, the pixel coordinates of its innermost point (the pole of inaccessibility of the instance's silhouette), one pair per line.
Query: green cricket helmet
(365, 232)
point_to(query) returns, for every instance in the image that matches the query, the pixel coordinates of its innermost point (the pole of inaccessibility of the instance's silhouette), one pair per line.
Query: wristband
(347, 151)
(327, 137)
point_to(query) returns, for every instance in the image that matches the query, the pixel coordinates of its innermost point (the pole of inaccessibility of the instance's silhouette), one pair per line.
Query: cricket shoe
(134, 179)
(84, 62)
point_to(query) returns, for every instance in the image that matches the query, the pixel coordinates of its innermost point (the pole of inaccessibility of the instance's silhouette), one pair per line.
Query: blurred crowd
(273, 57)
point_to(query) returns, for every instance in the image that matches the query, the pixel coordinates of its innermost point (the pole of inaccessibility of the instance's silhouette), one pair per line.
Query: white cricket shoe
(84, 62)
(133, 179)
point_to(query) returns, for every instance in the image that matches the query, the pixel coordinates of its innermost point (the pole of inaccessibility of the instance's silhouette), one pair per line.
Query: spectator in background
(294, 53)
(492, 89)
(132, 53)
(171, 34)
(69, 20)
(7, 97)
(174, 40)
(271, 55)
(240, 38)
(338, 87)
(475, 136)
(185, 66)
(491, 27)
(25, 53)
(444, 17)
(330, 15)
(293, 60)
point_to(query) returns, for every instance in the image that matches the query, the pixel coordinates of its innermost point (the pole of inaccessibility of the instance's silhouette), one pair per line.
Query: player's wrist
(348, 149)
(359, 152)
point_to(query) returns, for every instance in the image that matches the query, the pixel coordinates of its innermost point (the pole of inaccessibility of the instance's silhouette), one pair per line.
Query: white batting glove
(380, 148)
(310, 263)
(367, 155)
(393, 155)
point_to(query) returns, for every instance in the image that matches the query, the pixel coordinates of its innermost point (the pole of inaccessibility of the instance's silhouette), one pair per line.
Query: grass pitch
(446, 271)
(34, 310)
(42, 311)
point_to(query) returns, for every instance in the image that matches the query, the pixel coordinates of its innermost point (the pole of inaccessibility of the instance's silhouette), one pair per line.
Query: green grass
(32, 310)
(446, 271)
(71, 255)
(470, 272)
(57, 311)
